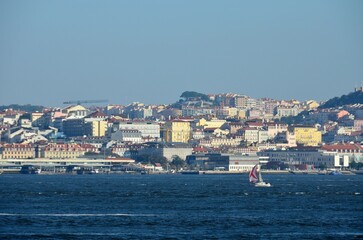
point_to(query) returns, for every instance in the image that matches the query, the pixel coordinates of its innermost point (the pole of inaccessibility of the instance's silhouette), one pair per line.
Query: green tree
(322, 166)
(195, 95)
(356, 165)
(177, 163)
(146, 158)
(351, 98)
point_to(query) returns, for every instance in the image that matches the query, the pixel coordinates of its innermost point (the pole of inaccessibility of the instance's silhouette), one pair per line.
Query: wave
(80, 214)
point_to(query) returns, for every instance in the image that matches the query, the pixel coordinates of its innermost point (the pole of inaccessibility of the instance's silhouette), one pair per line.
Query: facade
(129, 135)
(121, 150)
(75, 111)
(262, 136)
(213, 123)
(166, 150)
(307, 136)
(358, 124)
(286, 111)
(177, 131)
(97, 128)
(234, 127)
(73, 127)
(240, 102)
(274, 129)
(251, 135)
(242, 163)
(147, 129)
(303, 157)
(66, 151)
(17, 151)
(210, 161)
(217, 142)
(353, 151)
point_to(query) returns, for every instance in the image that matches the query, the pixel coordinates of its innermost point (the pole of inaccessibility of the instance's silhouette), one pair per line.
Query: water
(180, 207)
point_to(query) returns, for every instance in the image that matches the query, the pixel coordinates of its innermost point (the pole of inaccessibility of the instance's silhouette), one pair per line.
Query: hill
(351, 98)
(188, 95)
(25, 108)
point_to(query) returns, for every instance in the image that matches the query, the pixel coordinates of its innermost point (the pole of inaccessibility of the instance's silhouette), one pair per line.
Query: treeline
(194, 95)
(351, 98)
(25, 108)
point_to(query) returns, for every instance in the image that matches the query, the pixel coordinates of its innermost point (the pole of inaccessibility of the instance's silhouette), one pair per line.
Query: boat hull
(262, 184)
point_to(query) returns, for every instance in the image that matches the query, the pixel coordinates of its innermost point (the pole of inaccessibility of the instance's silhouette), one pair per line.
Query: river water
(180, 207)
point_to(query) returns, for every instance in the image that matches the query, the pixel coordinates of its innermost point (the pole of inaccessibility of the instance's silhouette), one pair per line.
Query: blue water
(180, 207)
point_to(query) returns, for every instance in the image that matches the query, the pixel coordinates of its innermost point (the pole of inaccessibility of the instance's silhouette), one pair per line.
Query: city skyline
(151, 52)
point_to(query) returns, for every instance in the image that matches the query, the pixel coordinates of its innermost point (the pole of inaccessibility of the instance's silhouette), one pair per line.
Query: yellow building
(17, 151)
(54, 150)
(307, 135)
(214, 123)
(241, 114)
(96, 128)
(311, 104)
(77, 111)
(36, 115)
(177, 131)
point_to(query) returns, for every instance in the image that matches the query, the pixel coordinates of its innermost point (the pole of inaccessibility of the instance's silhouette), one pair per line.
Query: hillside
(188, 95)
(351, 98)
(25, 108)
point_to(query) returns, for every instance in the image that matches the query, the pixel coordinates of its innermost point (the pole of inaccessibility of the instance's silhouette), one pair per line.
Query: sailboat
(256, 178)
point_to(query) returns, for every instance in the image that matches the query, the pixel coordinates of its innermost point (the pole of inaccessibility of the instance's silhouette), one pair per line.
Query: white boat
(256, 178)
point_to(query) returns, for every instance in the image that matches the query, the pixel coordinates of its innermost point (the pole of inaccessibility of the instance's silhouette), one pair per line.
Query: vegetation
(194, 95)
(177, 163)
(295, 119)
(322, 166)
(152, 159)
(356, 165)
(25, 116)
(25, 108)
(351, 98)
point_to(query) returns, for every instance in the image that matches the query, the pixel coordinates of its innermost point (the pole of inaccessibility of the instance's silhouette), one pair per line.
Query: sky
(153, 51)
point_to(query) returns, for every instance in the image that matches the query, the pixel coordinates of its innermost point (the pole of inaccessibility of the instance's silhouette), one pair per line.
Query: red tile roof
(342, 147)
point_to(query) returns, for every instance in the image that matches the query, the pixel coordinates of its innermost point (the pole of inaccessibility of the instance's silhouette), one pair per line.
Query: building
(147, 129)
(177, 131)
(240, 102)
(97, 128)
(75, 111)
(242, 163)
(17, 151)
(307, 135)
(251, 135)
(274, 129)
(353, 151)
(358, 124)
(216, 142)
(73, 127)
(286, 111)
(129, 135)
(55, 150)
(303, 158)
(167, 150)
(235, 126)
(210, 161)
(213, 123)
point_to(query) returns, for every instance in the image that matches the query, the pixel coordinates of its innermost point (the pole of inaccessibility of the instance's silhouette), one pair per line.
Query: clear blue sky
(152, 51)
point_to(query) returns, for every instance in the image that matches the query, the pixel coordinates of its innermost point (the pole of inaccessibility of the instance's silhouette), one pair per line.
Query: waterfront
(180, 207)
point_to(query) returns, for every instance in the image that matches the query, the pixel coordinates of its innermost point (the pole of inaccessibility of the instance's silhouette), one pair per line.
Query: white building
(147, 129)
(133, 136)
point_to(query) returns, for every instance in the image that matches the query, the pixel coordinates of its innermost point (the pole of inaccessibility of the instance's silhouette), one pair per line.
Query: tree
(351, 98)
(356, 165)
(177, 163)
(146, 158)
(195, 95)
(322, 166)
